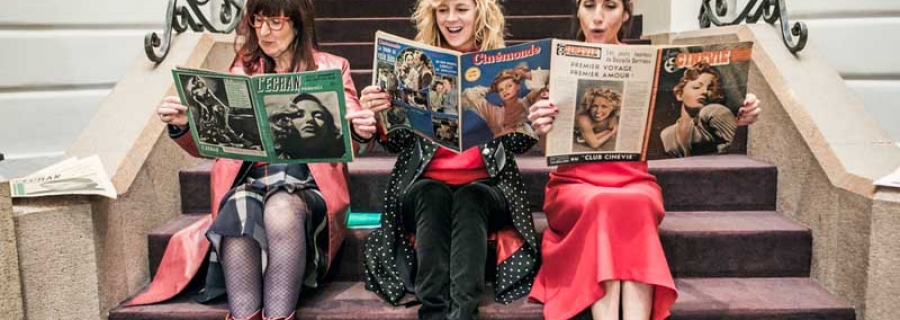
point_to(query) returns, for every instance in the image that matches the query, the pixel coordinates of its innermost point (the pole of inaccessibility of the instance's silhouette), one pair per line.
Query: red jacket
(188, 248)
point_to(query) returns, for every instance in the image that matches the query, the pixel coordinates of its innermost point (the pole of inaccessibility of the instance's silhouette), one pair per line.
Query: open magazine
(459, 100)
(277, 118)
(631, 103)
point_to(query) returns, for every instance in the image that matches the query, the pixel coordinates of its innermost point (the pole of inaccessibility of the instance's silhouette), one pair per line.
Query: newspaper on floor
(69, 177)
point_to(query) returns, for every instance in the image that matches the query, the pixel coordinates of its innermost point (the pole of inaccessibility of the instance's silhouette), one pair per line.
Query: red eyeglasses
(275, 23)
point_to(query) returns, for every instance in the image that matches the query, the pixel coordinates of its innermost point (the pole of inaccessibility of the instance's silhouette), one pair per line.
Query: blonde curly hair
(614, 97)
(490, 25)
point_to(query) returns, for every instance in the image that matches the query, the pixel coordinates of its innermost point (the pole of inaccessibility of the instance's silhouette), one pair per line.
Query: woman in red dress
(601, 250)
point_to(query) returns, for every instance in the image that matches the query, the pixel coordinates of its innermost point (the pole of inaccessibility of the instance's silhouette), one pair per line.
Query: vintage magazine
(459, 100)
(276, 118)
(635, 103)
(69, 177)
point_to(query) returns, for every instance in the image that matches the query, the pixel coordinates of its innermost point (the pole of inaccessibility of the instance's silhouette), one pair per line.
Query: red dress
(603, 225)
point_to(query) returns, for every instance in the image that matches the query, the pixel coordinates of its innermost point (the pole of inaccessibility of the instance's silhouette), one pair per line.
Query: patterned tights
(278, 289)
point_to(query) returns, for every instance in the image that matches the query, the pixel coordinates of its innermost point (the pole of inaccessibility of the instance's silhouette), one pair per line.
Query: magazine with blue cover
(459, 100)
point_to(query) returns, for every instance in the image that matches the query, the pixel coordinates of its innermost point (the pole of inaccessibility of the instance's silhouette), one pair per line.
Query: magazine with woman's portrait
(483, 95)
(277, 118)
(638, 103)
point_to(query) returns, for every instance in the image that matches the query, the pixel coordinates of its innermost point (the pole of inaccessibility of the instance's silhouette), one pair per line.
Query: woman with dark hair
(604, 215)
(441, 206)
(705, 125)
(274, 228)
(304, 128)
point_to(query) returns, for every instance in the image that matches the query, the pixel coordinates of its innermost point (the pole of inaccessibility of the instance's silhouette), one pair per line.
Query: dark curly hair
(716, 93)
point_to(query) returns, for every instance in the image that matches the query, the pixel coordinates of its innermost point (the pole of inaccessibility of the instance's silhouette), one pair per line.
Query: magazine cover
(278, 118)
(636, 103)
(498, 87)
(459, 100)
(699, 90)
(603, 93)
(422, 81)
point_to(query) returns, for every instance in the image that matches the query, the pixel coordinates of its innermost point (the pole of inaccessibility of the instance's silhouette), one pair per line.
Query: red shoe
(255, 316)
(290, 317)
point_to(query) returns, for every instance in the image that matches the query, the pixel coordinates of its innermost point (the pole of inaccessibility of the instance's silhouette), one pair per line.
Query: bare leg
(607, 308)
(285, 220)
(637, 300)
(243, 275)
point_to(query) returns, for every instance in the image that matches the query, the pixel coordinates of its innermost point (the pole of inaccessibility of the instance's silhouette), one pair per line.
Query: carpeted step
(700, 299)
(718, 182)
(721, 182)
(158, 238)
(361, 29)
(697, 244)
(404, 8)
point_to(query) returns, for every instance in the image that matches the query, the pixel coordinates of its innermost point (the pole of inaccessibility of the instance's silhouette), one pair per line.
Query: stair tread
(674, 222)
(698, 244)
(382, 162)
(725, 298)
(538, 163)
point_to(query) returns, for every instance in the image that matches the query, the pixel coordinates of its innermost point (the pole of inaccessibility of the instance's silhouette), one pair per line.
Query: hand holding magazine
(277, 118)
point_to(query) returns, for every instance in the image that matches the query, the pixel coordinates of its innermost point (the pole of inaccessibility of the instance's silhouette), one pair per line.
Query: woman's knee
(283, 207)
(429, 191)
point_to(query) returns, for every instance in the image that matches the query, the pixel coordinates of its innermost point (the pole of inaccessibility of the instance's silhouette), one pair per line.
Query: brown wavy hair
(623, 31)
(514, 74)
(302, 15)
(716, 93)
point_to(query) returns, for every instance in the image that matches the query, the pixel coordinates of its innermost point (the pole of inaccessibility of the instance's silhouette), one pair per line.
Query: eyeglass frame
(266, 20)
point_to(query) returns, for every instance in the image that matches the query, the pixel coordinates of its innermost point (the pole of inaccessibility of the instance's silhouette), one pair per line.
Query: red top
(456, 168)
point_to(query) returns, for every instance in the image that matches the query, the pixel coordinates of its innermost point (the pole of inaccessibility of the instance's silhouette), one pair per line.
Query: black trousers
(451, 224)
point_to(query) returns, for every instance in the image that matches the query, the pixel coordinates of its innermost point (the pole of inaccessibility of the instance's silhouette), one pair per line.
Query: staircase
(733, 255)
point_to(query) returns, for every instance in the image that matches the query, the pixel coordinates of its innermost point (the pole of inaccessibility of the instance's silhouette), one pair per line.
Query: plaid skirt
(242, 214)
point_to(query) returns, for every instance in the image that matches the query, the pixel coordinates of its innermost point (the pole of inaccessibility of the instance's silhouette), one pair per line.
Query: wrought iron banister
(769, 10)
(180, 19)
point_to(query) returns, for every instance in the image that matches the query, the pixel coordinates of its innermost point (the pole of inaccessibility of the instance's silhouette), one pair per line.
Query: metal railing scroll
(193, 17)
(769, 10)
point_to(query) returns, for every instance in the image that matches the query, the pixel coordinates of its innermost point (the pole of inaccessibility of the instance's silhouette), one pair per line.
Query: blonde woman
(441, 207)
(597, 119)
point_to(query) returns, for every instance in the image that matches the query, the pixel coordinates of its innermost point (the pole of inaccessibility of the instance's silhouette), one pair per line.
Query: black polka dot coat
(389, 254)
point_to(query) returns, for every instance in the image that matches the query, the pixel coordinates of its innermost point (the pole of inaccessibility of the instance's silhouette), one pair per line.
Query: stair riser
(768, 254)
(760, 254)
(683, 190)
(843, 314)
(785, 315)
(404, 8)
(363, 30)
